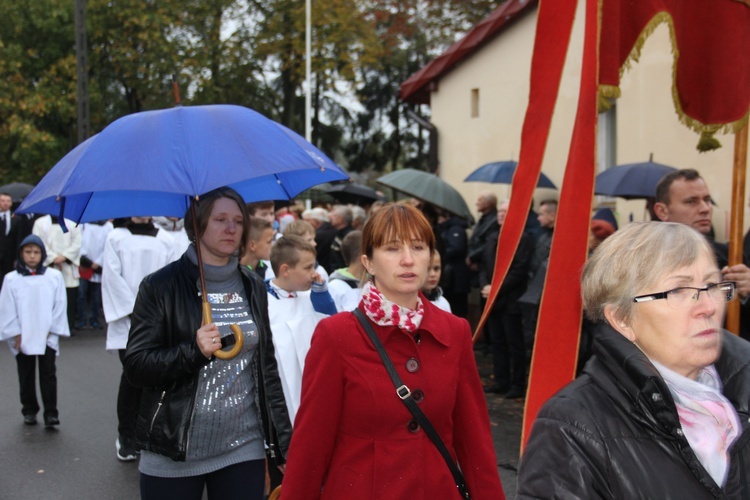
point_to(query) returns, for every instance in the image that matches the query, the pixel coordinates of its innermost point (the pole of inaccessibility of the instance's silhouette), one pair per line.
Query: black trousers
(508, 348)
(72, 295)
(245, 481)
(47, 382)
(128, 403)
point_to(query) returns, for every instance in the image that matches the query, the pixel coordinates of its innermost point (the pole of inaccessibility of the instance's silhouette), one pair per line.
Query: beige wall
(646, 119)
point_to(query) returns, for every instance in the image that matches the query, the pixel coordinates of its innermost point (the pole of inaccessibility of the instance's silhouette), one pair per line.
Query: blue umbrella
(155, 162)
(631, 181)
(501, 172)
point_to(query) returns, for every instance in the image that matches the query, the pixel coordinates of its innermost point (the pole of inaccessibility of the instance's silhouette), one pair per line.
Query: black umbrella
(631, 181)
(502, 172)
(355, 194)
(17, 190)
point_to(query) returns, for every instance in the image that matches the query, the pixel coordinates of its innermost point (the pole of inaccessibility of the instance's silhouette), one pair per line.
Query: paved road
(77, 461)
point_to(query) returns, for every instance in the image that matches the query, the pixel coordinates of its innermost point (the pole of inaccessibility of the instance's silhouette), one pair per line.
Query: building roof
(417, 88)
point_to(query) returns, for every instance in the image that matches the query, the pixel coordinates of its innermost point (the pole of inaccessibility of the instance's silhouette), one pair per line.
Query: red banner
(710, 40)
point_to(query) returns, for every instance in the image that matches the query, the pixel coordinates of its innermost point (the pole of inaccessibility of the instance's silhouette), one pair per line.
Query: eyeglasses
(685, 297)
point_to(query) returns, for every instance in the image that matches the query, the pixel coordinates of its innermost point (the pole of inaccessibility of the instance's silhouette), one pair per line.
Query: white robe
(56, 243)
(293, 321)
(442, 303)
(345, 297)
(92, 244)
(35, 307)
(128, 258)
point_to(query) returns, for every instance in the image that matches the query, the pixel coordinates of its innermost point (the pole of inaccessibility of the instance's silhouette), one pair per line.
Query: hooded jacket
(614, 432)
(31, 239)
(166, 361)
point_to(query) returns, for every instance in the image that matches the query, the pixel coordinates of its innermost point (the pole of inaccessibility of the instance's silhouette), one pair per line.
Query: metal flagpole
(308, 71)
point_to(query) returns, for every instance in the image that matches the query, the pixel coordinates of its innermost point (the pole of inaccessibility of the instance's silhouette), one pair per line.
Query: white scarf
(708, 419)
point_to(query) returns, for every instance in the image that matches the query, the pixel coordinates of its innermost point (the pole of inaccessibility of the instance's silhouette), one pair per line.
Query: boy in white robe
(130, 254)
(345, 284)
(33, 315)
(297, 299)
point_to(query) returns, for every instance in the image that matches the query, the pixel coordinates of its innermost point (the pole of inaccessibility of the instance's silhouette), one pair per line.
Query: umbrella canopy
(501, 172)
(154, 162)
(17, 190)
(631, 181)
(429, 188)
(356, 194)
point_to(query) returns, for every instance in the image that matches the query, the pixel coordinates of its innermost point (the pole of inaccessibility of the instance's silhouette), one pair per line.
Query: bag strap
(404, 394)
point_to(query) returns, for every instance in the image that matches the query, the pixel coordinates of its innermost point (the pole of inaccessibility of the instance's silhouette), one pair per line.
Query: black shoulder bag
(404, 394)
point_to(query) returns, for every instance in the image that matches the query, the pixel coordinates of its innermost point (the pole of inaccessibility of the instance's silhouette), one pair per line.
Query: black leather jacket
(615, 433)
(163, 357)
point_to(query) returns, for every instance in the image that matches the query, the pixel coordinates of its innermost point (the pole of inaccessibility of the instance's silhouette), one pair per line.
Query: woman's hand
(208, 339)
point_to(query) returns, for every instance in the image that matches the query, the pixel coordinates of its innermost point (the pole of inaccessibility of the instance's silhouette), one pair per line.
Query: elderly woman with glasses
(661, 409)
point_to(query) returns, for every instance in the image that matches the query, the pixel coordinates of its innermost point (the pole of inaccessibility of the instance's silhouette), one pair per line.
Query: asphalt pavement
(77, 459)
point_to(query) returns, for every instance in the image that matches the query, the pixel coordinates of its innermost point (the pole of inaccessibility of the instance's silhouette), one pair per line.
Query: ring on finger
(213, 340)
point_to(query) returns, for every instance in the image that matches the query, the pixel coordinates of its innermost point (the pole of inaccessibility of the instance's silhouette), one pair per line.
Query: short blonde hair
(299, 228)
(287, 250)
(632, 260)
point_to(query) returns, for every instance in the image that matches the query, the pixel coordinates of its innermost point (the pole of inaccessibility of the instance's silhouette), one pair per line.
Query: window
(474, 103)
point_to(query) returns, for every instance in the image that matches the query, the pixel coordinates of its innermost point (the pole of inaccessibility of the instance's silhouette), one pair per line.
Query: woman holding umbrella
(203, 421)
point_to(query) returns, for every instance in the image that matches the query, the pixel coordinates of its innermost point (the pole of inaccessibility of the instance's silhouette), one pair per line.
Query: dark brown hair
(203, 208)
(663, 187)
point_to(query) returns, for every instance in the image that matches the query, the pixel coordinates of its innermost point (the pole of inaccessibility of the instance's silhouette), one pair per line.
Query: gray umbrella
(17, 190)
(429, 188)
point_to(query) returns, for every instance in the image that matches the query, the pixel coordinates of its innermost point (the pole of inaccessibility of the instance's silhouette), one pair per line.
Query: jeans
(89, 303)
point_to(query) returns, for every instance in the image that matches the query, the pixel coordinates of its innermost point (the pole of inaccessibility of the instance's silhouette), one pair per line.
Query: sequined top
(224, 428)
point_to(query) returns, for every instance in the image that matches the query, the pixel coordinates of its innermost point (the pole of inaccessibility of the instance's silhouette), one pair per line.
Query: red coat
(351, 436)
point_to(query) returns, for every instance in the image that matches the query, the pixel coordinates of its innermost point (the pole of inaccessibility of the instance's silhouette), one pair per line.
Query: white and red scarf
(383, 312)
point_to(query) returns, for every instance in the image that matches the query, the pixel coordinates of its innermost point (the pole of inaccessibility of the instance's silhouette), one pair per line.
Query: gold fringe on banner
(707, 141)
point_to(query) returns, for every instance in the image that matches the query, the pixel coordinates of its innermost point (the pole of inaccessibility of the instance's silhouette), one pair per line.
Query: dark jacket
(163, 357)
(514, 284)
(324, 237)
(455, 278)
(614, 432)
(484, 228)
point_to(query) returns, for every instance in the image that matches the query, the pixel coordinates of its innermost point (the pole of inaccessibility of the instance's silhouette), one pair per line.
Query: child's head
(259, 238)
(263, 209)
(433, 273)
(351, 247)
(303, 229)
(31, 252)
(293, 263)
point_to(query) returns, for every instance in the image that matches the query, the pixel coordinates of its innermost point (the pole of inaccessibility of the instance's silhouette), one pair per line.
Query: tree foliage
(247, 52)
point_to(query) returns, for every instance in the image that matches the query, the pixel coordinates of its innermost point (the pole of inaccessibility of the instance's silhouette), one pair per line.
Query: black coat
(484, 228)
(163, 357)
(455, 278)
(614, 432)
(514, 284)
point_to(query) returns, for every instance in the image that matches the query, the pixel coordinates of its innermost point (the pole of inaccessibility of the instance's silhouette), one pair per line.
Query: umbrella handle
(239, 338)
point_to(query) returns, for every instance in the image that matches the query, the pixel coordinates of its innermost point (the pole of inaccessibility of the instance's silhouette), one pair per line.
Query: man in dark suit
(8, 236)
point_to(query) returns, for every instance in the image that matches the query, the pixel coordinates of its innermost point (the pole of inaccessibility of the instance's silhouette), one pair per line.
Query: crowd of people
(256, 340)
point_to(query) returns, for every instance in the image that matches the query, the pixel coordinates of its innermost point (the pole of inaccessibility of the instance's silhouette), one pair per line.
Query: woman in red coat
(353, 436)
